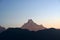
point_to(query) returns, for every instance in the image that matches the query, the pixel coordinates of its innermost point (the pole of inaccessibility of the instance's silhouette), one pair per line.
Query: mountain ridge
(32, 26)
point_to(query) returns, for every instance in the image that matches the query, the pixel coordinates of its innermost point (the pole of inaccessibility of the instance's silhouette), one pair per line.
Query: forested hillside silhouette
(22, 34)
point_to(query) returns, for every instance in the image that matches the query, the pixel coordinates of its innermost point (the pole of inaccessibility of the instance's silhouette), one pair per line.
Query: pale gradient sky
(17, 12)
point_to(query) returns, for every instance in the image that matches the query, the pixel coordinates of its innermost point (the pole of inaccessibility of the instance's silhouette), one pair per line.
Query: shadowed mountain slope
(2, 29)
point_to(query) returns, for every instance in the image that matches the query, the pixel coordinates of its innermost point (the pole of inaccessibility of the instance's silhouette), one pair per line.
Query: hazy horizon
(14, 13)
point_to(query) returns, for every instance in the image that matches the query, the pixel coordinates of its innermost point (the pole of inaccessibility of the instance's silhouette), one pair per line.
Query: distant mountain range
(29, 31)
(30, 25)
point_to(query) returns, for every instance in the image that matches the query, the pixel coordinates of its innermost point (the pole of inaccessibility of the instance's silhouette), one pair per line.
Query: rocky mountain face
(30, 25)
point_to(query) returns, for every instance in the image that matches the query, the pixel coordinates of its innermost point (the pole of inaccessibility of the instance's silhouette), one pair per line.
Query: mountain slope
(2, 29)
(30, 25)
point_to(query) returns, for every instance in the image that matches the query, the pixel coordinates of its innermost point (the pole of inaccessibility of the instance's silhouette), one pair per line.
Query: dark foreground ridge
(21, 34)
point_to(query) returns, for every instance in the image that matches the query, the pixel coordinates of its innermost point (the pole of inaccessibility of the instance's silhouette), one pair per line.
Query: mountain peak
(30, 25)
(30, 21)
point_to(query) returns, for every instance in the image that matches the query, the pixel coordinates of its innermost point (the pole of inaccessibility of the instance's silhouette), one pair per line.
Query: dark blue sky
(17, 12)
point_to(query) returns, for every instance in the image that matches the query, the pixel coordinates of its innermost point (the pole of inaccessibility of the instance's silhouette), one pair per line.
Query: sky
(14, 13)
